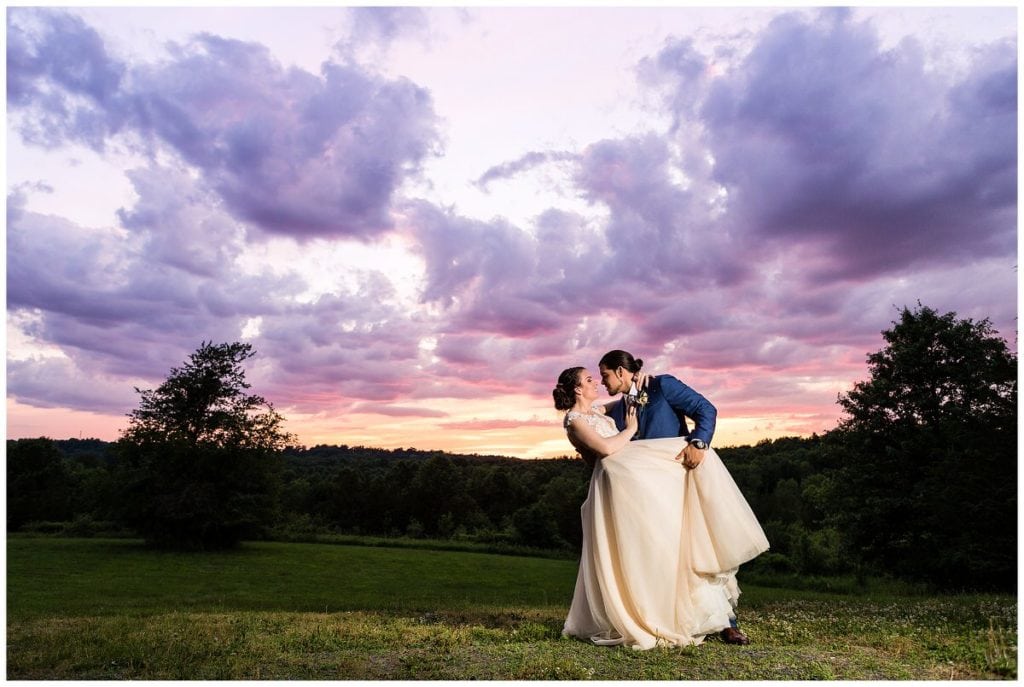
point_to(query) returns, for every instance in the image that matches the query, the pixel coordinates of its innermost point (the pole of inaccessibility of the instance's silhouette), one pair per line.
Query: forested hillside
(62, 486)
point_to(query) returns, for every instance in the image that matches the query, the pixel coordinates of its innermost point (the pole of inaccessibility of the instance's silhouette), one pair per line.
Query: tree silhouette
(199, 461)
(927, 487)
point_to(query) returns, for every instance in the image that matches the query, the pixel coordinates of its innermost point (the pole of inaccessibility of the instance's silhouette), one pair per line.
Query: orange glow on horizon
(525, 430)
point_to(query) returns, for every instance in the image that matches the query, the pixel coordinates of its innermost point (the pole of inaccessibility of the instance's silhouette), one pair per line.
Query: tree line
(918, 481)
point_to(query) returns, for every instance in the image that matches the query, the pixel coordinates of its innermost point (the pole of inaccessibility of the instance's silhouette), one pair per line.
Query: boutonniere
(635, 398)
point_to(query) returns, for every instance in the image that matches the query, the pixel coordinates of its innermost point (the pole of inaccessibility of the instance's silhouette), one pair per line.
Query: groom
(668, 403)
(663, 407)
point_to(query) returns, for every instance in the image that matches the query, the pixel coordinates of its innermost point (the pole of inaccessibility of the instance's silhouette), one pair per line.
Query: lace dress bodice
(602, 424)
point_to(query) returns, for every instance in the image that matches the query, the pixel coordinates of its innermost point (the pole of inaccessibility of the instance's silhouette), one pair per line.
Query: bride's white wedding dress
(661, 546)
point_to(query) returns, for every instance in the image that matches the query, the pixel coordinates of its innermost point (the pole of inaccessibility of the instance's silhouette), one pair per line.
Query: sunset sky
(420, 216)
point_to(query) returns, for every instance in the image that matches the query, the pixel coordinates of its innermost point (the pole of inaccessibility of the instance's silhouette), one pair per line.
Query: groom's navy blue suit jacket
(669, 403)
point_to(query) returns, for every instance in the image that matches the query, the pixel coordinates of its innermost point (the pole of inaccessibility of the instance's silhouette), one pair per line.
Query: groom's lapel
(653, 397)
(618, 413)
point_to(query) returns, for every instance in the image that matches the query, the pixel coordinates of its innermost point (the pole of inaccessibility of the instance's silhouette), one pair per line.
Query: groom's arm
(691, 404)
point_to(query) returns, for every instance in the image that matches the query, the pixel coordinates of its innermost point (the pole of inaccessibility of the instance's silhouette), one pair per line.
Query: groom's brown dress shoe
(732, 635)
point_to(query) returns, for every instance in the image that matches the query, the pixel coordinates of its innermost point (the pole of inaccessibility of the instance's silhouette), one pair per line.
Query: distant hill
(323, 454)
(96, 450)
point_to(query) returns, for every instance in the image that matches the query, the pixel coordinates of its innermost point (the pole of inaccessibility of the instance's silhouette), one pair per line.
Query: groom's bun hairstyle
(613, 360)
(565, 391)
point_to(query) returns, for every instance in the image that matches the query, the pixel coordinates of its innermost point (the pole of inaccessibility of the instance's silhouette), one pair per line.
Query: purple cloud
(174, 218)
(507, 170)
(60, 383)
(824, 138)
(509, 296)
(382, 25)
(134, 304)
(291, 152)
(59, 66)
(146, 315)
(660, 232)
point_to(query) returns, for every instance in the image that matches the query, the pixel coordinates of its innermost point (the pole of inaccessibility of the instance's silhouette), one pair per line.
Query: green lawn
(102, 609)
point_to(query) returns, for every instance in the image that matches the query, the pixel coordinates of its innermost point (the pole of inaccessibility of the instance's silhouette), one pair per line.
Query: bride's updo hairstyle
(565, 391)
(613, 360)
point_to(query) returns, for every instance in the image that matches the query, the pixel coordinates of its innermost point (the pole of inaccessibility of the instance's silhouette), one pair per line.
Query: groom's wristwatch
(698, 444)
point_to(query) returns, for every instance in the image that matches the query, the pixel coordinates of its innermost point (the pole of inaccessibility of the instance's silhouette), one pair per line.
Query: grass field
(111, 609)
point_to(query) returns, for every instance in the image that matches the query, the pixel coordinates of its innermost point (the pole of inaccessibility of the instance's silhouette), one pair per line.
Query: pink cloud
(484, 425)
(396, 411)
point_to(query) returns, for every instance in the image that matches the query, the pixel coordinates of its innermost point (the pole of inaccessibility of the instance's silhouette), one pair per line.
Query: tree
(38, 483)
(936, 368)
(199, 462)
(928, 485)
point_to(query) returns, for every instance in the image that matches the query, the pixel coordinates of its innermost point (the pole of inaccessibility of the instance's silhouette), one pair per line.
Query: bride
(661, 544)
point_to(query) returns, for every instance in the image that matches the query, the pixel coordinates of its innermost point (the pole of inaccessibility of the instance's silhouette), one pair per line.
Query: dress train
(661, 546)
